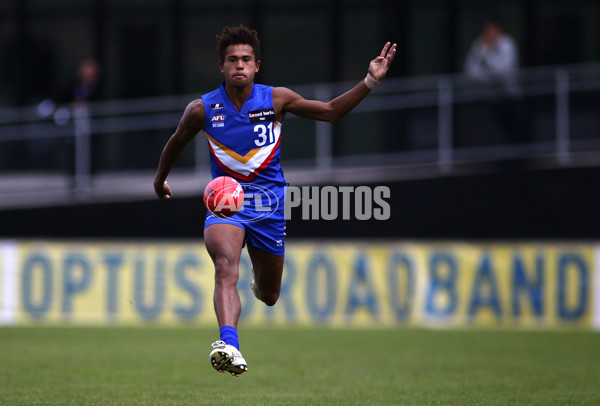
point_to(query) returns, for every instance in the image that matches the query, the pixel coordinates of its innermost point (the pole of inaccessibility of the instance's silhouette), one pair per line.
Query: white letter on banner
(8, 282)
(293, 199)
(329, 203)
(383, 211)
(310, 203)
(363, 204)
(346, 191)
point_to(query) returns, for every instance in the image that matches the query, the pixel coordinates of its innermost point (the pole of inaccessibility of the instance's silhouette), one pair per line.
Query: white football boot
(254, 288)
(227, 358)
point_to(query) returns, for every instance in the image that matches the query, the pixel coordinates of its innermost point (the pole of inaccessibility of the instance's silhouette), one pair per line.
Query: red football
(224, 196)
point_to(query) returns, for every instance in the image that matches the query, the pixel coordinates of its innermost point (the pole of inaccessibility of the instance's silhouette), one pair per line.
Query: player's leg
(224, 244)
(265, 241)
(268, 271)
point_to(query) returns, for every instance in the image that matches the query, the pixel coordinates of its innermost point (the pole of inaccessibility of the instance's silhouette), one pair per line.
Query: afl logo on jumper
(218, 120)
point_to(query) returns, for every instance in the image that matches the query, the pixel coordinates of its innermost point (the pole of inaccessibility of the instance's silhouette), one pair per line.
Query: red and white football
(224, 196)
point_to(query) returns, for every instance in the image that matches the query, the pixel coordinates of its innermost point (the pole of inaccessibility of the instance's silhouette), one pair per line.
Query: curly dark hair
(238, 35)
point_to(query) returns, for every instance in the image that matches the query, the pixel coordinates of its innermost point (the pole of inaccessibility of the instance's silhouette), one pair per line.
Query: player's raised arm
(286, 100)
(191, 122)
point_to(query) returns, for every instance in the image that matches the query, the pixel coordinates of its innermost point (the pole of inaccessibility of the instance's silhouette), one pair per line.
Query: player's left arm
(286, 100)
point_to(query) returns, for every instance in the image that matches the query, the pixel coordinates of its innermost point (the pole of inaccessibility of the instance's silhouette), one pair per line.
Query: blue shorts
(262, 218)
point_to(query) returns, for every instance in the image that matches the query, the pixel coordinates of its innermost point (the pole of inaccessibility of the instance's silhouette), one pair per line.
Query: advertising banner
(354, 284)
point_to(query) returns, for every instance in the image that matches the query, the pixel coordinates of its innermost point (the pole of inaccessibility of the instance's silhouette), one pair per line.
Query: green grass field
(169, 366)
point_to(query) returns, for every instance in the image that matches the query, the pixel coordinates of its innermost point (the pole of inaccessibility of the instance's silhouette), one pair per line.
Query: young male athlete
(242, 122)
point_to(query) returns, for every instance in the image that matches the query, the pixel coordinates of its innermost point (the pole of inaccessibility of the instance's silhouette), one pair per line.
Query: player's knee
(270, 298)
(225, 270)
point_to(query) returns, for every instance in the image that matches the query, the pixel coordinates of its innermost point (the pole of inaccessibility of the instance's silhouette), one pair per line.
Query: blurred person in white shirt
(493, 60)
(493, 64)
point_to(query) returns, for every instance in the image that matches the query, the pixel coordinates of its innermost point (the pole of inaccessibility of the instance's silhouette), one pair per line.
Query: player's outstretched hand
(163, 191)
(379, 66)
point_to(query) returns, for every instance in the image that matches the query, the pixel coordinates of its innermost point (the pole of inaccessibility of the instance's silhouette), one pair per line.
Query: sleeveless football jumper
(245, 145)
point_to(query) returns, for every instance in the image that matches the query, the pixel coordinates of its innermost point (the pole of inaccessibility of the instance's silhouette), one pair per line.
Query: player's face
(239, 66)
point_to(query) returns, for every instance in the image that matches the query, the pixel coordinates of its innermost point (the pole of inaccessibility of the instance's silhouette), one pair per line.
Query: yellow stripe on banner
(325, 283)
(116, 283)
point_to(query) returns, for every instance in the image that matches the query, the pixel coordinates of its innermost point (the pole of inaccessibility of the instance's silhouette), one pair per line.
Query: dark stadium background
(553, 204)
(160, 48)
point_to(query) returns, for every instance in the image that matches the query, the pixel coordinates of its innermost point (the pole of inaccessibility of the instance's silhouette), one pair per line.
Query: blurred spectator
(493, 60)
(493, 63)
(68, 106)
(85, 87)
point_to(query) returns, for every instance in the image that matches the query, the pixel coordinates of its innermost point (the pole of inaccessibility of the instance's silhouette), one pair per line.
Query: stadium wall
(559, 204)
(338, 284)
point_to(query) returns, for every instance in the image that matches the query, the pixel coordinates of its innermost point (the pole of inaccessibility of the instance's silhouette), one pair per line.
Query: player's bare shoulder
(282, 97)
(194, 115)
(195, 109)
